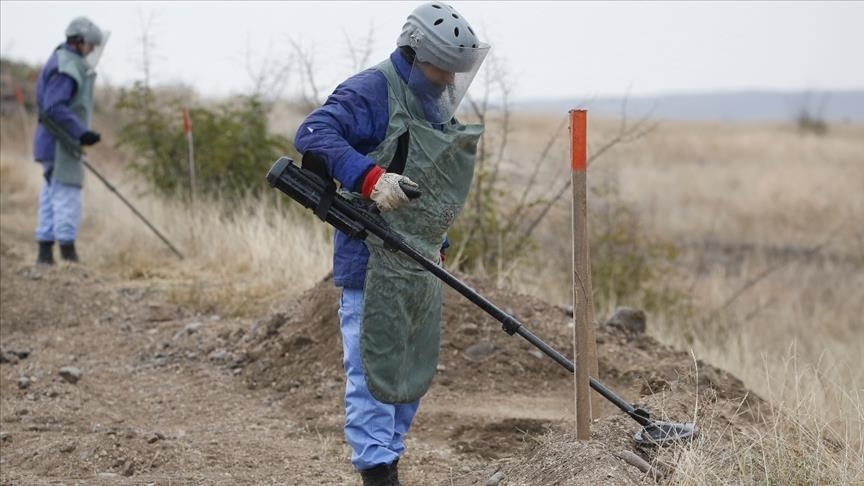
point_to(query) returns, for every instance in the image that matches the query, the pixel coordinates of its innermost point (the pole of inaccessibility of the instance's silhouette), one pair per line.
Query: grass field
(766, 222)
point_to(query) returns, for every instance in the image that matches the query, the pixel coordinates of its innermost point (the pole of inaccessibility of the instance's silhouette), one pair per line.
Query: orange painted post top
(578, 137)
(19, 95)
(187, 126)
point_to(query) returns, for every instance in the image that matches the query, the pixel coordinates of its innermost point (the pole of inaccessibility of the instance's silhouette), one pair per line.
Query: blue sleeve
(445, 244)
(58, 94)
(350, 124)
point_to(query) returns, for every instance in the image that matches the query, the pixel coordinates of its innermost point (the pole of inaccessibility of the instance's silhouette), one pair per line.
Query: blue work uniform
(352, 123)
(59, 214)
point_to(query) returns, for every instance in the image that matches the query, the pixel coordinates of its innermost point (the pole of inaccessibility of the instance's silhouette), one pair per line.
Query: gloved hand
(387, 194)
(89, 138)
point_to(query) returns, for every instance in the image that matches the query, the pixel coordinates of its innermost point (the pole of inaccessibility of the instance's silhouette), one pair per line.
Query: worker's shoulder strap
(400, 157)
(314, 163)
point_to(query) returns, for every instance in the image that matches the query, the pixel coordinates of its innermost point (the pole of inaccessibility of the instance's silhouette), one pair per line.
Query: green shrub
(233, 147)
(627, 265)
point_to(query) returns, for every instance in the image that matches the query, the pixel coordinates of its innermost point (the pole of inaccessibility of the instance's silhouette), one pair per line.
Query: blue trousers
(375, 430)
(59, 210)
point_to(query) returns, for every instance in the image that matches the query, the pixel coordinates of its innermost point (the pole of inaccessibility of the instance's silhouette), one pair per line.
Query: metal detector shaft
(75, 148)
(355, 220)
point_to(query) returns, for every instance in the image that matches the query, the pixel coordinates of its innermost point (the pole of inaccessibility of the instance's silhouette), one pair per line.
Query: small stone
(495, 479)
(23, 382)
(536, 353)
(70, 374)
(191, 355)
(67, 448)
(629, 320)
(20, 353)
(107, 475)
(470, 329)
(187, 330)
(4, 436)
(222, 356)
(479, 351)
(129, 470)
(440, 367)
(157, 436)
(7, 357)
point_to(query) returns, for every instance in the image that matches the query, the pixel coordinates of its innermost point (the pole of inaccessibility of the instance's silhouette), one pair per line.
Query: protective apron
(401, 320)
(68, 169)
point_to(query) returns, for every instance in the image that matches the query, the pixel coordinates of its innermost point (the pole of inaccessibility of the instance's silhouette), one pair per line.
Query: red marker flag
(187, 125)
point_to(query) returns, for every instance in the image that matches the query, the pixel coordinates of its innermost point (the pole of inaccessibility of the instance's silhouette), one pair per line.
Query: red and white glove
(383, 188)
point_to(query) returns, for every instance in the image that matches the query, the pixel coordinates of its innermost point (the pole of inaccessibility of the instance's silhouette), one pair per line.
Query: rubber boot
(377, 476)
(46, 253)
(394, 473)
(67, 252)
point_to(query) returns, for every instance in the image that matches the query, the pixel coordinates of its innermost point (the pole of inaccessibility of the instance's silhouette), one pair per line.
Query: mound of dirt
(300, 349)
(302, 346)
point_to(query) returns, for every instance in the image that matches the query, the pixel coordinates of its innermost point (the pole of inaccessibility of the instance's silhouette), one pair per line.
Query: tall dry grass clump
(793, 442)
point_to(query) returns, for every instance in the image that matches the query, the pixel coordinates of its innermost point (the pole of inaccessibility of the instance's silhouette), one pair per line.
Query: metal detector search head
(658, 433)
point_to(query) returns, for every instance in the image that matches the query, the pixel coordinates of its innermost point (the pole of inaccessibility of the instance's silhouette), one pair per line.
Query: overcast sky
(551, 49)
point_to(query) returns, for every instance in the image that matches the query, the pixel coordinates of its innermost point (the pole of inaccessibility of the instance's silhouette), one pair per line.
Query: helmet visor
(440, 81)
(95, 55)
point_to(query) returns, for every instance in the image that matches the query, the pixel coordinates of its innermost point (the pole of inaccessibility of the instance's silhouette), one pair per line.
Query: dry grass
(737, 199)
(235, 263)
(792, 443)
(760, 211)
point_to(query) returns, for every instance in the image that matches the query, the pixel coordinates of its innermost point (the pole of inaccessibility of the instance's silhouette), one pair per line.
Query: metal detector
(357, 218)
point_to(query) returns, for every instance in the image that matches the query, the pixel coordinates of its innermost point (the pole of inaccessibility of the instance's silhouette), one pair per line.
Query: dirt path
(158, 403)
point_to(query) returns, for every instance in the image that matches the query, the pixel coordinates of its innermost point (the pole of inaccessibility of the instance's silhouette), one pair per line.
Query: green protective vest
(68, 169)
(401, 321)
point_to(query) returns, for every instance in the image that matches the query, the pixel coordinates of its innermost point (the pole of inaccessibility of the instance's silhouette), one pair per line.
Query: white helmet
(85, 29)
(441, 36)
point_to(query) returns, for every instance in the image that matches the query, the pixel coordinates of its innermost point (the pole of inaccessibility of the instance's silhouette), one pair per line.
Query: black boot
(67, 252)
(46, 253)
(394, 473)
(377, 476)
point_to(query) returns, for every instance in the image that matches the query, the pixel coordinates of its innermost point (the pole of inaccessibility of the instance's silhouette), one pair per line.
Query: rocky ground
(104, 382)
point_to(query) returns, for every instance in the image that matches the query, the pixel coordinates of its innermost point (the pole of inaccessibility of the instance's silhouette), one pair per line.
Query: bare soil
(170, 397)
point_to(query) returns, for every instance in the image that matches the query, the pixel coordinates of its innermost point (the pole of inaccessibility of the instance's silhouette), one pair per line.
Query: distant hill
(831, 106)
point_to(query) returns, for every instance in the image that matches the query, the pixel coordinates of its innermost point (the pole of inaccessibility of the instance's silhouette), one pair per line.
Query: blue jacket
(54, 91)
(351, 123)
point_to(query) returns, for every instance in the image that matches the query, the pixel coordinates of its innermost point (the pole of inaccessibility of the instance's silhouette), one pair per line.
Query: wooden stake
(190, 146)
(584, 342)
